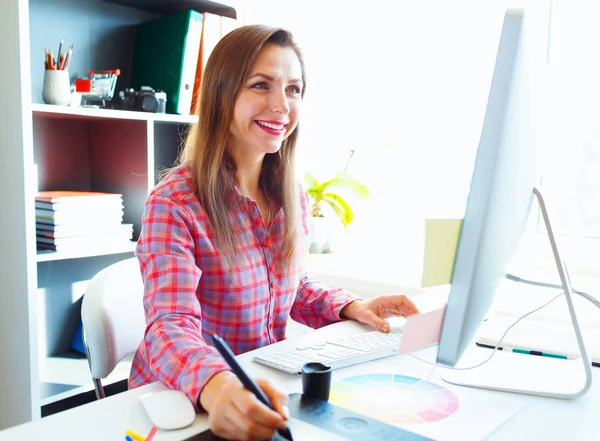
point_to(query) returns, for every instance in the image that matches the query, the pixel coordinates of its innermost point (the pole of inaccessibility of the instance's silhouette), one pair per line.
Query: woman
(223, 235)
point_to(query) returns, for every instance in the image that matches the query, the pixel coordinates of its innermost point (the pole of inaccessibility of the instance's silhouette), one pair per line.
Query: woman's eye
(294, 89)
(261, 85)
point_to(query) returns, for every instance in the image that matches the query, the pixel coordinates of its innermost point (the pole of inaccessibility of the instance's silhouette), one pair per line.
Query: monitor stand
(526, 374)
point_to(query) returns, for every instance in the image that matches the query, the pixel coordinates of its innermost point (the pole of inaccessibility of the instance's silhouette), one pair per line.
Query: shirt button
(272, 285)
(271, 325)
(266, 242)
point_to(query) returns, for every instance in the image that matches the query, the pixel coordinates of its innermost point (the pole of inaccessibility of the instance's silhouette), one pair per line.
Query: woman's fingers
(237, 414)
(246, 427)
(377, 321)
(398, 304)
(250, 406)
(231, 423)
(278, 399)
(409, 307)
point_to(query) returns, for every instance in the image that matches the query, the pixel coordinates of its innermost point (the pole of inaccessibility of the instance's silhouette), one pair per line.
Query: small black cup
(316, 380)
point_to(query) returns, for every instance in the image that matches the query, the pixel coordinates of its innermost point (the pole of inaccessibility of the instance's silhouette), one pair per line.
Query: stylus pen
(527, 352)
(248, 383)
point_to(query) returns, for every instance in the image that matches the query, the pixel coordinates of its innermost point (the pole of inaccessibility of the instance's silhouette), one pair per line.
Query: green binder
(166, 55)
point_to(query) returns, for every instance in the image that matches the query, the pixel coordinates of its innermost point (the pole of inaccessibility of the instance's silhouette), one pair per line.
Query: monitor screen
(505, 173)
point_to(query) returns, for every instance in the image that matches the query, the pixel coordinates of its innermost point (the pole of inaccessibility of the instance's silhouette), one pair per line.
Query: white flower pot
(324, 234)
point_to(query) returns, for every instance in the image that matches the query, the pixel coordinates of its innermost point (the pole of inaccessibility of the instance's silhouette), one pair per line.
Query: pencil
(67, 60)
(134, 435)
(151, 433)
(59, 50)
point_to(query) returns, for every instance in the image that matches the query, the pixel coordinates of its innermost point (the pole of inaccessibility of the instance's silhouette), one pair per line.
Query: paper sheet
(421, 330)
(479, 413)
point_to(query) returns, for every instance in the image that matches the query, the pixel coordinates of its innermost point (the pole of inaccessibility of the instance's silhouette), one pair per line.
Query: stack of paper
(76, 220)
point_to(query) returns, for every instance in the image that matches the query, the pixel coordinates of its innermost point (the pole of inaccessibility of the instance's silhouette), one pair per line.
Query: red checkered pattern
(188, 295)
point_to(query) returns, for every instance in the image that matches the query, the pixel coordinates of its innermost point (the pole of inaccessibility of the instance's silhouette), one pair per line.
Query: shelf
(49, 255)
(64, 112)
(67, 375)
(172, 6)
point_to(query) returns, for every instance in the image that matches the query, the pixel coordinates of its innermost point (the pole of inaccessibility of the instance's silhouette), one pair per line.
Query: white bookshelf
(85, 149)
(19, 396)
(49, 255)
(65, 112)
(88, 149)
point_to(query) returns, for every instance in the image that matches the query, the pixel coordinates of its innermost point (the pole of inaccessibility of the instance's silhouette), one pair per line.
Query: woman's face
(268, 104)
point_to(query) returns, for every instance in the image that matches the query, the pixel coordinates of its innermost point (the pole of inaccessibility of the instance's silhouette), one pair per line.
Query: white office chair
(113, 318)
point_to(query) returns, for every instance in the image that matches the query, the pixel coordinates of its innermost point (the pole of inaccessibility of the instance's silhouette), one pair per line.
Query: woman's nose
(279, 103)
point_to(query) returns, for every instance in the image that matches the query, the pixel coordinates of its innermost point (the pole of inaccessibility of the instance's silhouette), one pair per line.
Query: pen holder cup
(57, 87)
(316, 381)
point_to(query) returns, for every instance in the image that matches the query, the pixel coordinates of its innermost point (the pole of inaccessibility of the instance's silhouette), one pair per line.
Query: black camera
(144, 100)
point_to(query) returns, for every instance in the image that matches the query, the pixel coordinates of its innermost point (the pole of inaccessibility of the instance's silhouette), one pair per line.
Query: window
(405, 85)
(572, 172)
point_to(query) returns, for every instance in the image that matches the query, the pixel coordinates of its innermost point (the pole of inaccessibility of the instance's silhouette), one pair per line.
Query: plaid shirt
(188, 296)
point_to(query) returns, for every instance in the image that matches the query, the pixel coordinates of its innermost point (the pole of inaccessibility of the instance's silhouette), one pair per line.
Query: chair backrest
(113, 317)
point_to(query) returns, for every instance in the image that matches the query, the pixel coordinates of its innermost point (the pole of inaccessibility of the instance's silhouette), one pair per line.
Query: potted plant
(326, 193)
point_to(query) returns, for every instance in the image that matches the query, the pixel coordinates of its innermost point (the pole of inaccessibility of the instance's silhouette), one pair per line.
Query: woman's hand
(374, 312)
(235, 413)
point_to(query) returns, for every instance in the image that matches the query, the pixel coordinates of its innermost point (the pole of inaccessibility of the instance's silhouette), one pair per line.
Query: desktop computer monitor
(504, 176)
(507, 169)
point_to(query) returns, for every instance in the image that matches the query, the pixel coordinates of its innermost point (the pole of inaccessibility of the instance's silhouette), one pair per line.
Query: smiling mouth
(271, 128)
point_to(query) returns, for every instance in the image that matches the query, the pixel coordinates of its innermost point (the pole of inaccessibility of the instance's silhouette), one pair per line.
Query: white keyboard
(336, 353)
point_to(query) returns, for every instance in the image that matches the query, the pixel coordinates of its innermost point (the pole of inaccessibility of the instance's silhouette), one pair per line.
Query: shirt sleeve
(316, 305)
(176, 352)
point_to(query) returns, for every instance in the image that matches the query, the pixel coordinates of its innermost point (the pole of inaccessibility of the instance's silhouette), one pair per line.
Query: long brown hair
(213, 170)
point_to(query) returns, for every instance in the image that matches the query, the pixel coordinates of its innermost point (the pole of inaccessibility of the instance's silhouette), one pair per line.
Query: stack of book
(78, 220)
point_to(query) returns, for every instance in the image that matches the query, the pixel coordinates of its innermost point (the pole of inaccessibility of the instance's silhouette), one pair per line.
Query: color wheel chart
(393, 398)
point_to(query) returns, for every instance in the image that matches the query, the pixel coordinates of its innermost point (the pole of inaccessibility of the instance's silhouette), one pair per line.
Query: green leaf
(312, 193)
(354, 186)
(323, 186)
(311, 181)
(344, 181)
(340, 206)
(338, 210)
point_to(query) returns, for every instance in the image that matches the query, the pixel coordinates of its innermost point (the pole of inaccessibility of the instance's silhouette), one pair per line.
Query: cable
(514, 278)
(550, 285)
(499, 343)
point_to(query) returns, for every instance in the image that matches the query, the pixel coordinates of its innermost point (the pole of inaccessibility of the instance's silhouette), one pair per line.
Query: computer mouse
(168, 409)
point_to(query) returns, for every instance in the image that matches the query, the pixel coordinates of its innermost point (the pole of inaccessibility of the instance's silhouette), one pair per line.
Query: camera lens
(147, 102)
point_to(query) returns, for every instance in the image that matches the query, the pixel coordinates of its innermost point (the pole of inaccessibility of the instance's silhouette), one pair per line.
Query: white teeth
(271, 126)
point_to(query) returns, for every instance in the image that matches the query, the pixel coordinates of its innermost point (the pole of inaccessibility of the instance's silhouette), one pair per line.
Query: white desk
(542, 418)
